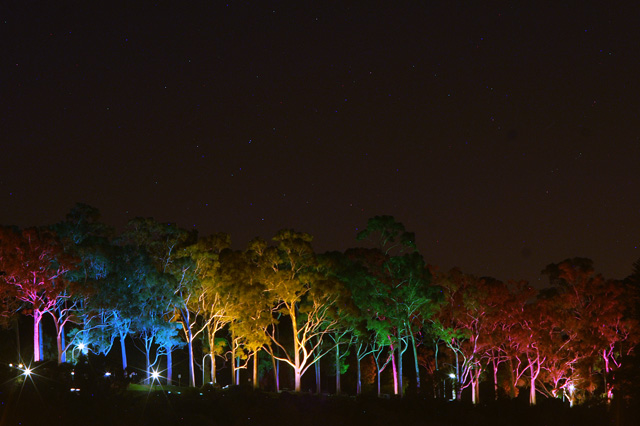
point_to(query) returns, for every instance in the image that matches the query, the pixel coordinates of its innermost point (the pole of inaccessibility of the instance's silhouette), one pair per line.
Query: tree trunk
(214, 371)
(169, 366)
(63, 345)
(237, 370)
(495, 379)
(148, 363)
(415, 359)
(255, 370)
(297, 371)
(395, 370)
(192, 373)
(359, 377)
(400, 385)
(318, 378)
(233, 358)
(456, 386)
(123, 351)
(377, 374)
(275, 374)
(212, 342)
(512, 382)
(297, 379)
(475, 386)
(37, 348)
(532, 392)
(338, 370)
(59, 342)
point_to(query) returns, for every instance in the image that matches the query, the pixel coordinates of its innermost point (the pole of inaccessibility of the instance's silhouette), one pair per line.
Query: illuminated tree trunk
(534, 376)
(237, 370)
(233, 358)
(297, 370)
(475, 386)
(395, 372)
(41, 337)
(169, 366)
(532, 392)
(276, 376)
(605, 376)
(255, 370)
(62, 353)
(400, 385)
(393, 367)
(214, 370)
(377, 375)
(318, 378)
(148, 365)
(186, 326)
(37, 347)
(456, 386)
(415, 357)
(123, 351)
(495, 379)
(212, 340)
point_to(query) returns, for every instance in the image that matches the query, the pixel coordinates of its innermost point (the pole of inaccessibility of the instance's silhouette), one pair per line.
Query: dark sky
(505, 134)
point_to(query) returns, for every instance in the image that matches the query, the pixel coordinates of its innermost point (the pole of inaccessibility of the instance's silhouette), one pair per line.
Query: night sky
(505, 134)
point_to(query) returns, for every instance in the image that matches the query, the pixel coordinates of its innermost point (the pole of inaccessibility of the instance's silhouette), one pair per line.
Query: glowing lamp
(452, 376)
(155, 375)
(27, 372)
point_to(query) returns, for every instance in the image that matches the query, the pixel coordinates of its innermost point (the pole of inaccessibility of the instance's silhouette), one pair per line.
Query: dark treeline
(277, 311)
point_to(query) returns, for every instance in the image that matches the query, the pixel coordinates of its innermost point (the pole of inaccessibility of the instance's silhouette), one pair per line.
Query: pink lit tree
(34, 267)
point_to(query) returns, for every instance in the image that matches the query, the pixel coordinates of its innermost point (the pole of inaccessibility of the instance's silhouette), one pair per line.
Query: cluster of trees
(167, 289)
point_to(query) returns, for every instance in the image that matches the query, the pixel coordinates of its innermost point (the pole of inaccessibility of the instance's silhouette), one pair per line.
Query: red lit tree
(463, 323)
(595, 315)
(34, 266)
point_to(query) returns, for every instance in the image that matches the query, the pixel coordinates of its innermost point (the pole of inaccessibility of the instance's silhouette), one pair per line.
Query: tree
(460, 324)
(212, 303)
(301, 293)
(407, 281)
(87, 239)
(35, 267)
(250, 308)
(595, 314)
(165, 244)
(388, 235)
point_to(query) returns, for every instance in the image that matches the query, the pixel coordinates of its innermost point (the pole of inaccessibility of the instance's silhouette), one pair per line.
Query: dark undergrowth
(237, 406)
(46, 399)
